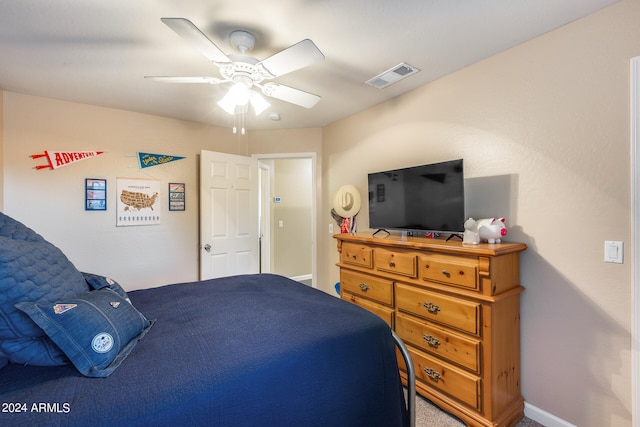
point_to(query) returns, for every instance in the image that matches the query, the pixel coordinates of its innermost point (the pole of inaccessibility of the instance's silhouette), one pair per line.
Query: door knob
(207, 247)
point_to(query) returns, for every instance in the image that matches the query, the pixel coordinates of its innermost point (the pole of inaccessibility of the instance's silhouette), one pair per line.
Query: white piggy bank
(491, 229)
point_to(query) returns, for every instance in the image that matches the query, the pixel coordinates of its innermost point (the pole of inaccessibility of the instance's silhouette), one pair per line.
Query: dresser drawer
(385, 313)
(454, 312)
(455, 271)
(455, 348)
(364, 285)
(446, 378)
(356, 255)
(396, 262)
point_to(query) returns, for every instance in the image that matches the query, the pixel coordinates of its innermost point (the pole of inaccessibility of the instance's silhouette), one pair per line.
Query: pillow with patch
(34, 270)
(100, 282)
(96, 330)
(31, 269)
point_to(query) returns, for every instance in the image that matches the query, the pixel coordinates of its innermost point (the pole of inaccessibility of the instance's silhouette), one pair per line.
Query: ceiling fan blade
(289, 94)
(170, 79)
(188, 31)
(300, 55)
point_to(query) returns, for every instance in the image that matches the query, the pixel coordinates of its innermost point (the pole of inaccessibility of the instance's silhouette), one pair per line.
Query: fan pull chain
(235, 125)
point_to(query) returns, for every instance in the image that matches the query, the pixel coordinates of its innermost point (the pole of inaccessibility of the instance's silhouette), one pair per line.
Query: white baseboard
(301, 278)
(544, 418)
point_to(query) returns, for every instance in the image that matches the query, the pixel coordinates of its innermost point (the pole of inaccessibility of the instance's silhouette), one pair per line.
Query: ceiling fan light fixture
(238, 96)
(258, 103)
(245, 71)
(227, 104)
(239, 93)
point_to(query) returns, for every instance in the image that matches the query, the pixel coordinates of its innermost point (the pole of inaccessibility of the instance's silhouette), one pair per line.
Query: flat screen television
(421, 198)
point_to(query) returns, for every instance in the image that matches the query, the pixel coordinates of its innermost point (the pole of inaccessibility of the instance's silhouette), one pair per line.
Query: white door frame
(635, 236)
(314, 204)
(265, 172)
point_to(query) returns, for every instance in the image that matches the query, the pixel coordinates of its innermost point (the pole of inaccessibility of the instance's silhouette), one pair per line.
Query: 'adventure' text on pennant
(147, 160)
(58, 159)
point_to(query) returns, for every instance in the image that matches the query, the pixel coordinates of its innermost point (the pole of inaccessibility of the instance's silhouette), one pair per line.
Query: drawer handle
(363, 287)
(392, 263)
(431, 307)
(431, 340)
(432, 374)
(446, 273)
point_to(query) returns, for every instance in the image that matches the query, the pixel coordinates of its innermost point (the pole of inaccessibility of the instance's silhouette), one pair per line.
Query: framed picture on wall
(138, 202)
(176, 196)
(95, 194)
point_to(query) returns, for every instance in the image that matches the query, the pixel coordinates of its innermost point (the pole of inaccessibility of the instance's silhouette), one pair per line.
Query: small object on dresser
(471, 235)
(346, 204)
(491, 229)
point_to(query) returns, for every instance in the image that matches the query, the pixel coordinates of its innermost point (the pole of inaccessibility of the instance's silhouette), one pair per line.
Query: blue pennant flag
(147, 160)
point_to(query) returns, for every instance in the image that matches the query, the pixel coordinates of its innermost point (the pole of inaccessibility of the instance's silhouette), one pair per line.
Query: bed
(249, 350)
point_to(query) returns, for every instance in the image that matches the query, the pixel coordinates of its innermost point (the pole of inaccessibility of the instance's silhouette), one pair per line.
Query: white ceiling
(98, 52)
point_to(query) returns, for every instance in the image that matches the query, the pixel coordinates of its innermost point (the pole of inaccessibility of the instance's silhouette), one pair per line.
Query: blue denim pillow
(31, 269)
(97, 330)
(100, 282)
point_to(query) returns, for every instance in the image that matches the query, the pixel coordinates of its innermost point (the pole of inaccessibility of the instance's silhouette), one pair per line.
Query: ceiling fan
(245, 72)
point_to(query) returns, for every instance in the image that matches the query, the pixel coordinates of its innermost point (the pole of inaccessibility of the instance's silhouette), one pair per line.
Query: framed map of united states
(138, 202)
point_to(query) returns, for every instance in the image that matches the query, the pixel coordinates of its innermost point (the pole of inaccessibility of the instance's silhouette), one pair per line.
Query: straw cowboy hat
(347, 201)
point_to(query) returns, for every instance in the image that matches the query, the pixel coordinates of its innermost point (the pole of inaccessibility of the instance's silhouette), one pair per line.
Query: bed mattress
(251, 350)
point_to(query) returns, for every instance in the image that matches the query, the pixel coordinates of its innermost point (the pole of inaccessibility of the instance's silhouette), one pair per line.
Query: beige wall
(547, 125)
(285, 141)
(51, 202)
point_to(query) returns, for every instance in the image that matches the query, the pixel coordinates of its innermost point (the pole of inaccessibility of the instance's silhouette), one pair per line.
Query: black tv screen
(426, 198)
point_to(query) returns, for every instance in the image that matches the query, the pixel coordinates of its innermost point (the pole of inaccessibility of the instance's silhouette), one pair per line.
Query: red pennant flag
(58, 159)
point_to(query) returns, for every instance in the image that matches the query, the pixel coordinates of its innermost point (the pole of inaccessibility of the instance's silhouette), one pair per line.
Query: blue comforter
(255, 350)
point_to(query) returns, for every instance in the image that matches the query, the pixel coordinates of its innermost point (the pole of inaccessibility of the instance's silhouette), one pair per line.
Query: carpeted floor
(429, 415)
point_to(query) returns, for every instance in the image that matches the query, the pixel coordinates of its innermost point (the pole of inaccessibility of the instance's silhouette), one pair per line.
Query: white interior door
(229, 243)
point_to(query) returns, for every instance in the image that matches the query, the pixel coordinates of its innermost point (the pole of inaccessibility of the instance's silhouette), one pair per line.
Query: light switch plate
(613, 251)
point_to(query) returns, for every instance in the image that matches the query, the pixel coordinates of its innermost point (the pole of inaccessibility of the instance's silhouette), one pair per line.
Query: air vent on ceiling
(392, 75)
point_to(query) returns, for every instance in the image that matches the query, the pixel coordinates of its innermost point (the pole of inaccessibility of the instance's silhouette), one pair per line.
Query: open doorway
(287, 215)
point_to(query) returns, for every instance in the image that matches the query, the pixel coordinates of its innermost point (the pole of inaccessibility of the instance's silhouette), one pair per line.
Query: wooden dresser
(456, 307)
